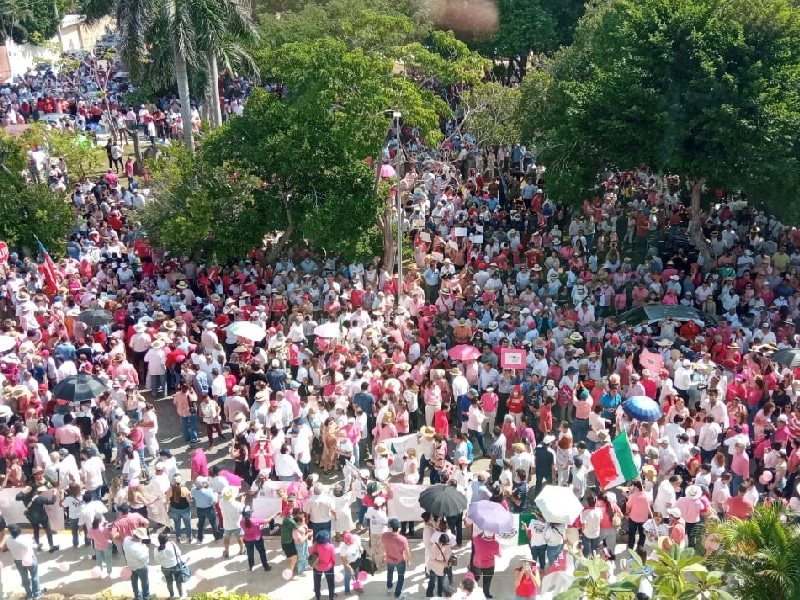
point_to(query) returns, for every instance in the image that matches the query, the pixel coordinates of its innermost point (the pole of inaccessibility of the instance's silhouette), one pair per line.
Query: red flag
(560, 564)
(48, 269)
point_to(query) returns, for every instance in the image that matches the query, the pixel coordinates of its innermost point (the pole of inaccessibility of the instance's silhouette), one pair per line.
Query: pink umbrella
(387, 171)
(464, 352)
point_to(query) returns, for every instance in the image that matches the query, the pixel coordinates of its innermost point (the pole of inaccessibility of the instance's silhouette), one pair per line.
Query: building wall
(15, 59)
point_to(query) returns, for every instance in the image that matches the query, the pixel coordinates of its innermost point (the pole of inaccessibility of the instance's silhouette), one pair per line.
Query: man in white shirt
(666, 495)
(92, 469)
(137, 555)
(321, 510)
(459, 385)
(21, 549)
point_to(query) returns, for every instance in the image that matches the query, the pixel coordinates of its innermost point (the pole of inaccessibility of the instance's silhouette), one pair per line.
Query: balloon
(362, 576)
(287, 574)
(200, 574)
(27, 562)
(96, 573)
(765, 478)
(63, 567)
(338, 577)
(126, 573)
(357, 585)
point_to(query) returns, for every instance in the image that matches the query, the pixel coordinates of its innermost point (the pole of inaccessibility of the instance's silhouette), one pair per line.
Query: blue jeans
(173, 578)
(478, 435)
(210, 514)
(348, 577)
(189, 428)
(104, 558)
(158, 384)
(317, 527)
(318, 583)
(30, 578)
(179, 516)
(401, 576)
(140, 576)
(434, 580)
(76, 541)
(589, 545)
(553, 552)
(362, 510)
(539, 555)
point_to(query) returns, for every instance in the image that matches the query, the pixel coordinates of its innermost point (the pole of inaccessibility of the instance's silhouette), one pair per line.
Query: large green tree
(704, 89)
(29, 210)
(306, 150)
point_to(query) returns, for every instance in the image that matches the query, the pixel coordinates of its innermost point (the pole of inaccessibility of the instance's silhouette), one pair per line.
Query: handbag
(181, 568)
(313, 560)
(367, 563)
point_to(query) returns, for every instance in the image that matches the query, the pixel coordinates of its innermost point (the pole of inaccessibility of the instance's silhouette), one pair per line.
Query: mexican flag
(613, 464)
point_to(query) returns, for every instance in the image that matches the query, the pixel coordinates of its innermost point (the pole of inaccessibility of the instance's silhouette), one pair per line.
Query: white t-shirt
(378, 520)
(92, 472)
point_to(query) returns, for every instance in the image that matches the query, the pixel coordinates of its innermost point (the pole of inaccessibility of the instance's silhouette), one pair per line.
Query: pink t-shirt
(638, 507)
(395, 546)
(327, 556)
(490, 401)
(252, 533)
(100, 536)
(485, 551)
(690, 509)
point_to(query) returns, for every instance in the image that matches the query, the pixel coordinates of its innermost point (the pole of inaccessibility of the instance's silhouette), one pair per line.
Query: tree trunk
(182, 76)
(389, 239)
(523, 66)
(284, 239)
(695, 227)
(213, 76)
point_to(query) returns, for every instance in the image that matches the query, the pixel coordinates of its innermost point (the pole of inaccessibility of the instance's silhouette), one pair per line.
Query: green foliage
(29, 210)
(704, 89)
(761, 555)
(491, 114)
(377, 25)
(591, 582)
(81, 156)
(30, 21)
(203, 209)
(225, 595)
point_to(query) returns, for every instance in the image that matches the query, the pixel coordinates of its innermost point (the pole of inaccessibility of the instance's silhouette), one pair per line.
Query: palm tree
(223, 26)
(190, 32)
(761, 555)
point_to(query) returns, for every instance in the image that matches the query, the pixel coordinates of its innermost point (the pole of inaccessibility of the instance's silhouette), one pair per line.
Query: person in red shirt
(739, 507)
(526, 580)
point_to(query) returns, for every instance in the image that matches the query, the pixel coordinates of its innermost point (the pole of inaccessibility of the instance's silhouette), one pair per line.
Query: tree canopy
(29, 211)
(704, 89)
(299, 158)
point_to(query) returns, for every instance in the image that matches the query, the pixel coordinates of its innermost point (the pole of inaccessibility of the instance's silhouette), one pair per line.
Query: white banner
(398, 448)
(13, 510)
(404, 502)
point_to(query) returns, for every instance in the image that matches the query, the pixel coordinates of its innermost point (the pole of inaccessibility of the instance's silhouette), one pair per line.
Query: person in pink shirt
(638, 510)
(740, 465)
(251, 529)
(326, 553)
(692, 507)
(489, 400)
(199, 465)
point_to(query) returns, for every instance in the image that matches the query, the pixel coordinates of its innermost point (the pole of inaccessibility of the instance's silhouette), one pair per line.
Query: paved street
(209, 570)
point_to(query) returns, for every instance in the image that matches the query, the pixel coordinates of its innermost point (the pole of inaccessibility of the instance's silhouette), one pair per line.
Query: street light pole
(399, 156)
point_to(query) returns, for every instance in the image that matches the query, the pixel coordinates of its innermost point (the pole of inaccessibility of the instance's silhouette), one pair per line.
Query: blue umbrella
(642, 408)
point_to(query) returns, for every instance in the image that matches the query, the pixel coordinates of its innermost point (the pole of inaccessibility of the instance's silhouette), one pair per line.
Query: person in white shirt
(21, 549)
(91, 471)
(167, 555)
(378, 522)
(666, 496)
(591, 517)
(137, 554)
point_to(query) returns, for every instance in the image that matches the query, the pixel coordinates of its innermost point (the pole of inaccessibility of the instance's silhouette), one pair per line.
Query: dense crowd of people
(308, 370)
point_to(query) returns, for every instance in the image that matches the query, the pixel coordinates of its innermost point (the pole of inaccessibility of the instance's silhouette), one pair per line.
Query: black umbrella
(76, 388)
(788, 357)
(95, 317)
(443, 500)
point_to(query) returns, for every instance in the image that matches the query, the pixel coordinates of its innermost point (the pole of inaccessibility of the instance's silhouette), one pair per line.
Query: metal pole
(399, 156)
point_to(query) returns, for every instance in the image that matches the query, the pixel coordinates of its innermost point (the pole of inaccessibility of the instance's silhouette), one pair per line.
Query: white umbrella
(328, 330)
(558, 504)
(7, 343)
(247, 330)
